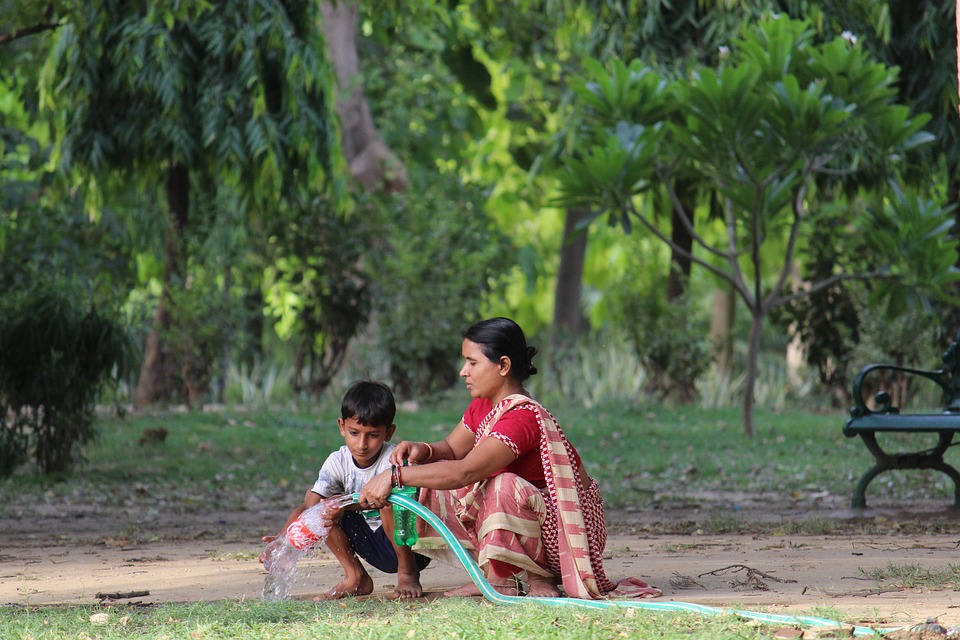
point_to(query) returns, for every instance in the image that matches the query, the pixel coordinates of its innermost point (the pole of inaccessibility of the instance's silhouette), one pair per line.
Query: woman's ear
(504, 365)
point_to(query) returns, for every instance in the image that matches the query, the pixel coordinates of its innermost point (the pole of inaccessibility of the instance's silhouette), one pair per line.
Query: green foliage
(209, 320)
(317, 290)
(916, 229)
(55, 355)
(669, 338)
(440, 256)
(228, 88)
(43, 230)
(779, 119)
(598, 369)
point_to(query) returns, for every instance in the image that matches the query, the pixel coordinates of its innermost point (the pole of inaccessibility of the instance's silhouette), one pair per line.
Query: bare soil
(72, 554)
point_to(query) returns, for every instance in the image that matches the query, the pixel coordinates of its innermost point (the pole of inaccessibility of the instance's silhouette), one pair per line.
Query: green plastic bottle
(404, 520)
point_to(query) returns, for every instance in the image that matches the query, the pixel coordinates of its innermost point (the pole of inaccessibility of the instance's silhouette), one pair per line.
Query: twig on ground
(749, 570)
(684, 582)
(122, 595)
(850, 594)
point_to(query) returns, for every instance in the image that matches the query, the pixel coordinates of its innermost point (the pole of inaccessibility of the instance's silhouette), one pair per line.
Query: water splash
(281, 556)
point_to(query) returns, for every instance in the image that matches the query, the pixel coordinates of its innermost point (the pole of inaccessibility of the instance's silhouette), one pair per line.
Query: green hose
(493, 595)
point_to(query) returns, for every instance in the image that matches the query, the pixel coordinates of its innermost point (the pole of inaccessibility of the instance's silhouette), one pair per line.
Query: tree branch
(720, 273)
(16, 34)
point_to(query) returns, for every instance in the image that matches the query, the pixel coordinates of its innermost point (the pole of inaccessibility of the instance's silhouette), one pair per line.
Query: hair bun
(531, 370)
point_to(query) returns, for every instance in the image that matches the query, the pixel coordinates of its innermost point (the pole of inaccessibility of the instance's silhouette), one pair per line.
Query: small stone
(100, 618)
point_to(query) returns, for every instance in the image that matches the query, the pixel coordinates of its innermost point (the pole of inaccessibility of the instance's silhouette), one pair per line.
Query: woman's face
(484, 378)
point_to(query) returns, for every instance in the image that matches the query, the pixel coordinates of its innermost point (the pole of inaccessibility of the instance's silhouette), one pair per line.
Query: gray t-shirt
(340, 474)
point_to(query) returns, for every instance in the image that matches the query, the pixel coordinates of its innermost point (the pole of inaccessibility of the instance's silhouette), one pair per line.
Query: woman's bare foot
(348, 587)
(471, 589)
(541, 587)
(466, 591)
(408, 586)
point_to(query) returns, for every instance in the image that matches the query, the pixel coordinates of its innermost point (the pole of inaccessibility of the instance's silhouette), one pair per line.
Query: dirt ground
(59, 554)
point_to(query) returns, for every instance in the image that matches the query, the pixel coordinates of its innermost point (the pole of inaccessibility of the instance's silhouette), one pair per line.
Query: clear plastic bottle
(404, 520)
(281, 556)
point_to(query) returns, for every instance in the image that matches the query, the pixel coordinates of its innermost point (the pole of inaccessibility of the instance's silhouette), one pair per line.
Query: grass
(451, 618)
(243, 460)
(912, 576)
(640, 456)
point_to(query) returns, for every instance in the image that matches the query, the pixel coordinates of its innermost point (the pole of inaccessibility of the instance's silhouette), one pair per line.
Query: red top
(519, 430)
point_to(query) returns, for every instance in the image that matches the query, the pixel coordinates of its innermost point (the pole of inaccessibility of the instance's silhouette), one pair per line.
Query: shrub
(668, 337)
(442, 255)
(55, 356)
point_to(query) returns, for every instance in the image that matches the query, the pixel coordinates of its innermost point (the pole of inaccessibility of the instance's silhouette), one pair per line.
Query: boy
(366, 424)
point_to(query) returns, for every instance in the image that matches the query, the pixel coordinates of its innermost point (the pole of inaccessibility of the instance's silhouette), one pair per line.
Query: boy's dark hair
(370, 403)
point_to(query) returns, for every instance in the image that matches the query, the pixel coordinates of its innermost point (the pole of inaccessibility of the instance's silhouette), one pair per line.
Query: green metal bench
(887, 418)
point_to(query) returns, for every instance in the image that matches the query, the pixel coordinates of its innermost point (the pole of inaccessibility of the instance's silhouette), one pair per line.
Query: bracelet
(429, 455)
(399, 478)
(395, 477)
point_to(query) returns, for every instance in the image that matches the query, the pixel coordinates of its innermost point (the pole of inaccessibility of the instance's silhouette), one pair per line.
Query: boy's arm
(309, 499)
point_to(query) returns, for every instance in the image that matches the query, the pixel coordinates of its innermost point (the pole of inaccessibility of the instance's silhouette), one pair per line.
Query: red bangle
(399, 478)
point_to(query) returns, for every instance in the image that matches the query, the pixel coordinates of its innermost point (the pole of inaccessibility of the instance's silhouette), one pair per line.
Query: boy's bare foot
(541, 587)
(349, 587)
(408, 586)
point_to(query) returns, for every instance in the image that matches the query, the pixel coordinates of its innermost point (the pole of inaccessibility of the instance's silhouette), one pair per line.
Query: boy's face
(364, 442)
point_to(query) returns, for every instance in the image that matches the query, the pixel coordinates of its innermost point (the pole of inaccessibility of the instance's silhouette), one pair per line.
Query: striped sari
(557, 532)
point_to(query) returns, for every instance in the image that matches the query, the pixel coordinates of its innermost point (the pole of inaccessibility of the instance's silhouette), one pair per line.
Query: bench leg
(860, 493)
(931, 459)
(943, 467)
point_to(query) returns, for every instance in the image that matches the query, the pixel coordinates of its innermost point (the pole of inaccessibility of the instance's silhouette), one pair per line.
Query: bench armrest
(882, 398)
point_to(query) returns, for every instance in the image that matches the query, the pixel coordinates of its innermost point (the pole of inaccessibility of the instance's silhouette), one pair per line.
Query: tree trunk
(567, 314)
(156, 372)
(750, 380)
(369, 159)
(679, 235)
(721, 329)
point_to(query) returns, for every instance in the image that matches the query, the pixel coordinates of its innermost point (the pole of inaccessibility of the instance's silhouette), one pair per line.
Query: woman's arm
(482, 461)
(455, 446)
(487, 458)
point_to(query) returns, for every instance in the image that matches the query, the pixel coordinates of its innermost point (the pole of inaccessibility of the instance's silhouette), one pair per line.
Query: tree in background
(191, 97)
(920, 39)
(780, 113)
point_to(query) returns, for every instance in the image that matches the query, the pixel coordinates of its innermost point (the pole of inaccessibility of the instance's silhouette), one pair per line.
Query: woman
(507, 482)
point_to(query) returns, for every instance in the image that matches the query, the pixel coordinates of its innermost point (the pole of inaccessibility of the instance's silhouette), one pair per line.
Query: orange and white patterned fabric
(558, 532)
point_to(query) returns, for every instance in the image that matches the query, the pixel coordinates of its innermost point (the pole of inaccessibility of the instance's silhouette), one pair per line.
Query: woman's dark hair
(370, 403)
(499, 337)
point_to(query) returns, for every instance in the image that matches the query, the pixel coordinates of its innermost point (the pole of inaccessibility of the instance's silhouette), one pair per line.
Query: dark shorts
(374, 546)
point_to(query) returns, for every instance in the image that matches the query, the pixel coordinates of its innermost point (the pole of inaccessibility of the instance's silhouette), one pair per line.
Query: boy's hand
(266, 539)
(374, 494)
(332, 518)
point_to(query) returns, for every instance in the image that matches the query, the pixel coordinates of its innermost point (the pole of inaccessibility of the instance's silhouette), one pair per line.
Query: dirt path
(57, 555)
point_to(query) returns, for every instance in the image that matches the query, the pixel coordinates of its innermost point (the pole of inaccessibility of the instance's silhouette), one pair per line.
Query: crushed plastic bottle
(281, 556)
(404, 520)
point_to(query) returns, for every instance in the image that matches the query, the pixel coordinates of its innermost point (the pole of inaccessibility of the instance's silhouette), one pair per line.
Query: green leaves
(611, 174)
(913, 234)
(781, 117)
(209, 87)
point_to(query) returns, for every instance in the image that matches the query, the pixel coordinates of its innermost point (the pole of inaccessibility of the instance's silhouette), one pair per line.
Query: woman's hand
(407, 450)
(375, 493)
